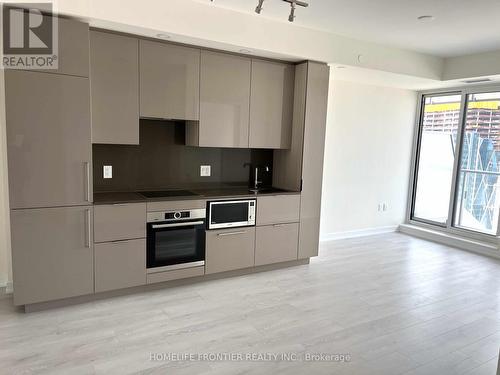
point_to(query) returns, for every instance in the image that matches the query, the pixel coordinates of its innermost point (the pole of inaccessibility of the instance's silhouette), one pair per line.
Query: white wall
(367, 157)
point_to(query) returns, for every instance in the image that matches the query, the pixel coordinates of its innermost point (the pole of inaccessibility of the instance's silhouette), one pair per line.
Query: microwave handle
(158, 226)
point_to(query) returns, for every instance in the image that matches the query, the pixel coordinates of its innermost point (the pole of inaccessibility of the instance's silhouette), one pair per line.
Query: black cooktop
(166, 193)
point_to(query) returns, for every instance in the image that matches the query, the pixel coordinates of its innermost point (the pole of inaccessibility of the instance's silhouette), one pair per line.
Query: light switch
(108, 171)
(205, 170)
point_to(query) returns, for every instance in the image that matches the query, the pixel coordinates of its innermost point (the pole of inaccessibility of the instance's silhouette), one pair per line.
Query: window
(457, 165)
(477, 199)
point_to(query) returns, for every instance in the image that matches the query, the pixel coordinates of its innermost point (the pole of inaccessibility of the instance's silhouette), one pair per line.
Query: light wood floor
(395, 304)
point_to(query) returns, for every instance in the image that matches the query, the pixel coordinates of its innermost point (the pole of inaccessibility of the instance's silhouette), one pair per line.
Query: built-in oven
(231, 213)
(175, 239)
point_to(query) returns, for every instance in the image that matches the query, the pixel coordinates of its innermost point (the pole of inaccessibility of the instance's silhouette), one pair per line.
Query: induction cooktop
(167, 193)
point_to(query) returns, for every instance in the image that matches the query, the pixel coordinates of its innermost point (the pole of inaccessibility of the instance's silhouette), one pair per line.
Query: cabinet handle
(87, 180)
(278, 225)
(87, 228)
(232, 233)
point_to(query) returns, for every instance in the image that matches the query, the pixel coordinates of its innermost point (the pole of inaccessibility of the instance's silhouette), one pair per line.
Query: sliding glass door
(457, 163)
(439, 125)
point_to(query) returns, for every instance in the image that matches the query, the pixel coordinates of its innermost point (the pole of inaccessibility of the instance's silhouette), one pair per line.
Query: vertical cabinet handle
(87, 180)
(88, 228)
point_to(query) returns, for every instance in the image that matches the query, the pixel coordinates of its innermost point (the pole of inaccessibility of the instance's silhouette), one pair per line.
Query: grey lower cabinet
(114, 78)
(52, 254)
(224, 102)
(48, 139)
(120, 246)
(278, 209)
(120, 264)
(276, 243)
(229, 249)
(170, 81)
(115, 222)
(271, 104)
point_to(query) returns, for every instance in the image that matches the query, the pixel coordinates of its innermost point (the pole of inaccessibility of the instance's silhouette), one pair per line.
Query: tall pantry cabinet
(50, 173)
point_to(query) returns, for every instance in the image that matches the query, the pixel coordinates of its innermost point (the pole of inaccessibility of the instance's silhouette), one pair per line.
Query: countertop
(212, 194)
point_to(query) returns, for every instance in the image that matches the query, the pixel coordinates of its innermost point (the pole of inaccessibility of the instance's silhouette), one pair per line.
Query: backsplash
(163, 161)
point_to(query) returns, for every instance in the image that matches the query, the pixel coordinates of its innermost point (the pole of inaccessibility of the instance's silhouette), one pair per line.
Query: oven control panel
(175, 215)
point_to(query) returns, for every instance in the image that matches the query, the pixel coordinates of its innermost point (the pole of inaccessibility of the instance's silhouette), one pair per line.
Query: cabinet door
(120, 264)
(52, 256)
(312, 164)
(170, 81)
(114, 77)
(271, 104)
(276, 209)
(48, 139)
(119, 222)
(73, 48)
(276, 243)
(224, 100)
(229, 249)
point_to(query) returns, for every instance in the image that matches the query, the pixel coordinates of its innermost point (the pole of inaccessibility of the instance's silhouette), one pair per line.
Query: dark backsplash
(163, 161)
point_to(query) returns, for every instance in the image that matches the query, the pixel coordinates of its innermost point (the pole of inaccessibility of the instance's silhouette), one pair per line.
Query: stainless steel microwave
(231, 213)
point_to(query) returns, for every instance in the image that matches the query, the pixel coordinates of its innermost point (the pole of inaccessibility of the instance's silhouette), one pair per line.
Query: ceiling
(460, 27)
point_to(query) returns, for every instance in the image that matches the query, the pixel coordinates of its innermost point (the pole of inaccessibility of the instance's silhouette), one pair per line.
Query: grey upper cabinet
(114, 78)
(170, 81)
(271, 104)
(73, 48)
(224, 102)
(48, 139)
(312, 164)
(52, 255)
(287, 164)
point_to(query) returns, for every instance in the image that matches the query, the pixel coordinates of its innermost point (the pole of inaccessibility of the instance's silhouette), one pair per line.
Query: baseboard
(483, 248)
(358, 233)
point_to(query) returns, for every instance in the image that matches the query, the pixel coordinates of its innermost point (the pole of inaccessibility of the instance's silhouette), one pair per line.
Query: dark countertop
(221, 193)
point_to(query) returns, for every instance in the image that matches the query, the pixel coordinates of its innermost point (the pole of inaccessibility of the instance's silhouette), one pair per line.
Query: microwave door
(225, 214)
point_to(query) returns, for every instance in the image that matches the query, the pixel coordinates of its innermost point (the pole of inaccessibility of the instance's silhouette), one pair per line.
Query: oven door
(230, 214)
(175, 245)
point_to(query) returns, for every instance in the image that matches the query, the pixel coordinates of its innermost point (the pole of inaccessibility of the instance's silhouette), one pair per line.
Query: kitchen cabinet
(170, 81)
(312, 159)
(276, 243)
(224, 102)
(119, 222)
(120, 264)
(229, 249)
(114, 78)
(52, 254)
(276, 209)
(73, 48)
(48, 139)
(301, 167)
(271, 104)
(160, 277)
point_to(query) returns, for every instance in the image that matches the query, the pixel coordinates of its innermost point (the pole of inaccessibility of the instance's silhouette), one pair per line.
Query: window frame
(447, 227)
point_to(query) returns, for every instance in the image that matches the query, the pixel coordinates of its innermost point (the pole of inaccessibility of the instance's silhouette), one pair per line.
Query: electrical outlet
(384, 206)
(107, 171)
(205, 170)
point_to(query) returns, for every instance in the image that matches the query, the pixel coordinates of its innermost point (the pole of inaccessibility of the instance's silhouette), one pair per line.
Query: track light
(293, 6)
(258, 9)
(291, 17)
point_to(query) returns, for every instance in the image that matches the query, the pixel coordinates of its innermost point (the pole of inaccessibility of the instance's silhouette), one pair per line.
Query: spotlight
(258, 9)
(291, 17)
